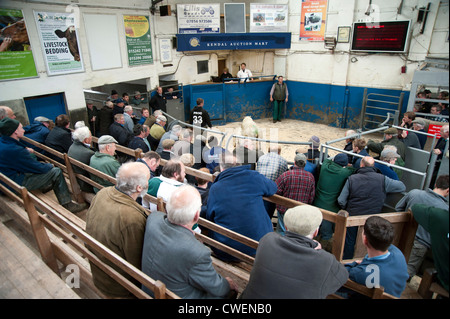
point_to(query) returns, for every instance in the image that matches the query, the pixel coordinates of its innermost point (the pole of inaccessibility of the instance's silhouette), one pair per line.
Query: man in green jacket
(332, 177)
(278, 95)
(435, 221)
(104, 160)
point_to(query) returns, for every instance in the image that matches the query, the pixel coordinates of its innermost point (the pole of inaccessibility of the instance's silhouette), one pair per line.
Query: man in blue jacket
(37, 131)
(17, 163)
(236, 202)
(384, 265)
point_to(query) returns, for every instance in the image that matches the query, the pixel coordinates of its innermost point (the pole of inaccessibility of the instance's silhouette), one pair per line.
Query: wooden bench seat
(23, 275)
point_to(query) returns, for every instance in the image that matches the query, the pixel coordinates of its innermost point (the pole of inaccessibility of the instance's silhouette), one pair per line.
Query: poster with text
(313, 20)
(59, 40)
(16, 57)
(268, 17)
(198, 18)
(138, 38)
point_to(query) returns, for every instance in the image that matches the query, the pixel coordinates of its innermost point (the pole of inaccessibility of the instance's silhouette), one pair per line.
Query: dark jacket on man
(120, 133)
(105, 119)
(289, 267)
(158, 102)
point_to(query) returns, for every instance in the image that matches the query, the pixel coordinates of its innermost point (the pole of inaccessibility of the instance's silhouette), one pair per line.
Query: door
(49, 106)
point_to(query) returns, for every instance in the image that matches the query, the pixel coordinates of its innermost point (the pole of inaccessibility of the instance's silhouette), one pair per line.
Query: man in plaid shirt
(296, 184)
(272, 165)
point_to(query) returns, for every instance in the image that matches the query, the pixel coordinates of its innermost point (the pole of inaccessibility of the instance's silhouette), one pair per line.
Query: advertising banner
(16, 58)
(313, 20)
(139, 41)
(268, 17)
(198, 18)
(59, 40)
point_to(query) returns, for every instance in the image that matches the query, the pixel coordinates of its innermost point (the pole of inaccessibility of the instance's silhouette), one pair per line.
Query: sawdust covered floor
(293, 131)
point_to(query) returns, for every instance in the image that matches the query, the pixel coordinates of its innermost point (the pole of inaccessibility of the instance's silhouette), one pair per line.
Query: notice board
(103, 41)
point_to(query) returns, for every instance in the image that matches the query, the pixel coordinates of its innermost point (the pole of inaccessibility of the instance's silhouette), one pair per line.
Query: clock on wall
(343, 35)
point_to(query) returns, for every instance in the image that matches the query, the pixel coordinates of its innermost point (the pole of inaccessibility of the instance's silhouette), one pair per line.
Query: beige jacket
(118, 222)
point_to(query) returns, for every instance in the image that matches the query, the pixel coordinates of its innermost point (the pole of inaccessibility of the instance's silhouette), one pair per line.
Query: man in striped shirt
(296, 184)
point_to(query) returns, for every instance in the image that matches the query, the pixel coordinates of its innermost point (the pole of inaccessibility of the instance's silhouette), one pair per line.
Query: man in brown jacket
(117, 221)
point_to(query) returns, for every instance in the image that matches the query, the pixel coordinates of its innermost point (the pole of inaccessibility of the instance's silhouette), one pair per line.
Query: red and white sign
(435, 129)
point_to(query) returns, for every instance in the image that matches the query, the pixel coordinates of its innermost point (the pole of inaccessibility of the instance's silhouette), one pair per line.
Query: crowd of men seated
(235, 200)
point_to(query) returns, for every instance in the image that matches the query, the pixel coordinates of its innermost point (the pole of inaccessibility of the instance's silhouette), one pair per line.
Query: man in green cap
(390, 138)
(17, 163)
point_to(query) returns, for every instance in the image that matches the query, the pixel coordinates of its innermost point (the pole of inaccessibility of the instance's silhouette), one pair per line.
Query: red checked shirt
(296, 184)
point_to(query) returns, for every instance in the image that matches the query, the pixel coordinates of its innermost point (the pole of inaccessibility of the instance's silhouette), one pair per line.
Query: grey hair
(161, 118)
(181, 208)
(176, 128)
(2, 113)
(227, 160)
(81, 133)
(132, 178)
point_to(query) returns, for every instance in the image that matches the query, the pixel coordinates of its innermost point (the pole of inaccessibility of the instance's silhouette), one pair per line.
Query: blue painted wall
(335, 105)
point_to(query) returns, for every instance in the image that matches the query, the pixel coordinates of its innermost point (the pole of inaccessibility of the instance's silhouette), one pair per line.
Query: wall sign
(314, 15)
(268, 17)
(233, 41)
(138, 39)
(198, 18)
(16, 57)
(165, 50)
(59, 40)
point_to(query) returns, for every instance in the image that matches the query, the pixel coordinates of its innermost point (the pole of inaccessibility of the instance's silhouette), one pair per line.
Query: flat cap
(107, 139)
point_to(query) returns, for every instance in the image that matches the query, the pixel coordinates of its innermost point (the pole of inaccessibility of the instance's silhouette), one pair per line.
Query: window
(202, 67)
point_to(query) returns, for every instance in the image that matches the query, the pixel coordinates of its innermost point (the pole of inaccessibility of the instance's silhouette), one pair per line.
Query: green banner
(138, 39)
(16, 58)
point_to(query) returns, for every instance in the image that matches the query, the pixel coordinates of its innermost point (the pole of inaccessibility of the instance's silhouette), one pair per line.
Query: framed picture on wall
(343, 35)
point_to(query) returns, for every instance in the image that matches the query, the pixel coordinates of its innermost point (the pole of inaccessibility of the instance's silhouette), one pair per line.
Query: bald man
(5, 111)
(172, 254)
(121, 226)
(364, 193)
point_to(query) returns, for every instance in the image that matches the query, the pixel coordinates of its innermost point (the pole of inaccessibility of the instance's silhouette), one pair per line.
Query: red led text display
(380, 36)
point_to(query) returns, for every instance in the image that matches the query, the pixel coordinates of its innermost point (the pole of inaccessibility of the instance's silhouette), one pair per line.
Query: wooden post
(406, 240)
(159, 290)
(340, 229)
(76, 191)
(40, 234)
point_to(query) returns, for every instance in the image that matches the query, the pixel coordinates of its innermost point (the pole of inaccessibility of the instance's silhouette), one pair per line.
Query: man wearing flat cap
(294, 266)
(104, 160)
(17, 163)
(390, 138)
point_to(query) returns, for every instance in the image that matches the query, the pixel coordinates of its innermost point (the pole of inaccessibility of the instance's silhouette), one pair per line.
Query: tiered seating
(60, 223)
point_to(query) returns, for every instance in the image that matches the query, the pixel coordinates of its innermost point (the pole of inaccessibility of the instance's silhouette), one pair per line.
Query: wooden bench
(429, 286)
(23, 275)
(50, 219)
(373, 293)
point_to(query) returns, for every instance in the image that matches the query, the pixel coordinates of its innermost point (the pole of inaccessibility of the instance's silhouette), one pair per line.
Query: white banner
(59, 40)
(198, 18)
(268, 17)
